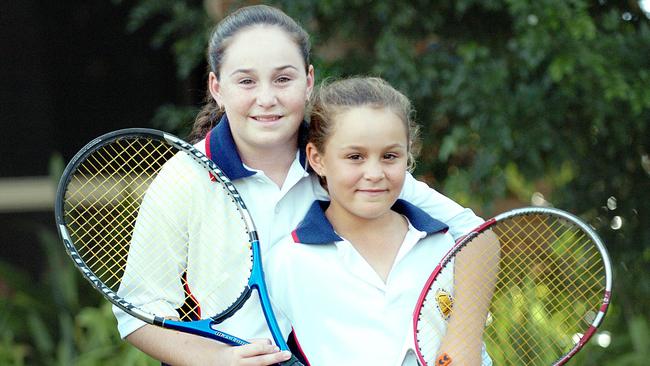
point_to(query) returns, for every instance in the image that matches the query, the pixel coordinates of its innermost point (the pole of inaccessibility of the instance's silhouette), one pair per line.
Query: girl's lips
(267, 118)
(372, 191)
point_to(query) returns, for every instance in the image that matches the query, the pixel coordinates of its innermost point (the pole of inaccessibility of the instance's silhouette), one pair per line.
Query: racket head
(545, 277)
(124, 195)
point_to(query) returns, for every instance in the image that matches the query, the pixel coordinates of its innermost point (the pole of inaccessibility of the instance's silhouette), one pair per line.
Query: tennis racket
(162, 233)
(528, 287)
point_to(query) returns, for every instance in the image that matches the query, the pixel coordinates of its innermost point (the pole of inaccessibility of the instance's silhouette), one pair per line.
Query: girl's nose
(374, 171)
(266, 96)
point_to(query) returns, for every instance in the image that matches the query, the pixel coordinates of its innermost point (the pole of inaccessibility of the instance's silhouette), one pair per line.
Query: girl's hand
(260, 352)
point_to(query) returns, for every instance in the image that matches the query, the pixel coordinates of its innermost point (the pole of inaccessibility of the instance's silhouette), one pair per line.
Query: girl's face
(263, 87)
(364, 162)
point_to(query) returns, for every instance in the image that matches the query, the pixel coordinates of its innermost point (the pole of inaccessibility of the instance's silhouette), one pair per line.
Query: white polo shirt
(341, 311)
(276, 211)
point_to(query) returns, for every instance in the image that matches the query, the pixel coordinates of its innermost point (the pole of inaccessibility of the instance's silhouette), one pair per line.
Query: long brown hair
(220, 38)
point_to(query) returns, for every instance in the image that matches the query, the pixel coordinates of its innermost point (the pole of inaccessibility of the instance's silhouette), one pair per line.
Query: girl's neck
(377, 240)
(274, 161)
(347, 224)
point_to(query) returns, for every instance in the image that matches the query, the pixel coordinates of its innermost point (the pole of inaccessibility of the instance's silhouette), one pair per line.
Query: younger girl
(350, 274)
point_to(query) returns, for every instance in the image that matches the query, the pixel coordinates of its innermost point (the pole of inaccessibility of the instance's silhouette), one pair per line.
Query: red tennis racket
(528, 287)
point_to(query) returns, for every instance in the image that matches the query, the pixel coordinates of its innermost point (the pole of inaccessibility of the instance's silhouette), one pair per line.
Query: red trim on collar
(208, 153)
(294, 235)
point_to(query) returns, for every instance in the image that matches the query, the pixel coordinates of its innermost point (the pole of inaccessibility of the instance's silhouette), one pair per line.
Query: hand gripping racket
(528, 287)
(162, 233)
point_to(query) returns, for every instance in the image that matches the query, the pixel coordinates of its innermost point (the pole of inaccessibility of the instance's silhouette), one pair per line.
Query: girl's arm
(463, 341)
(170, 227)
(460, 220)
(176, 348)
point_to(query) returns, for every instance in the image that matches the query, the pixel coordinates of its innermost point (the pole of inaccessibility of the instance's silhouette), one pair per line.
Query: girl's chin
(372, 211)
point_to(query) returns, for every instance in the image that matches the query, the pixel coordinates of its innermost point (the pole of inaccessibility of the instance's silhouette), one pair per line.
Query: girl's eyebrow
(280, 68)
(396, 145)
(247, 71)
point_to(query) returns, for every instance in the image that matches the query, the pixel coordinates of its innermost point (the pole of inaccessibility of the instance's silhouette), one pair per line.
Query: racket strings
(549, 283)
(551, 275)
(106, 176)
(121, 208)
(94, 173)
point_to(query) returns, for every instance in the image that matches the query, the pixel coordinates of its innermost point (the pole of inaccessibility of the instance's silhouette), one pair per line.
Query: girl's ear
(315, 159)
(215, 87)
(310, 82)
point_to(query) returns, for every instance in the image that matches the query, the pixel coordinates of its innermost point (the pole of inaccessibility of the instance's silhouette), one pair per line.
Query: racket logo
(200, 157)
(608, 295)
(444, 303)
(226, 336)
(94, 279)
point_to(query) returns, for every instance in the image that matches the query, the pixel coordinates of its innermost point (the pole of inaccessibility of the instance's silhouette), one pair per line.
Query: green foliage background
(516, 98)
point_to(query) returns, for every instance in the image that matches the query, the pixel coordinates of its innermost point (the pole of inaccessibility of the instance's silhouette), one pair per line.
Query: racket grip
(293, 361)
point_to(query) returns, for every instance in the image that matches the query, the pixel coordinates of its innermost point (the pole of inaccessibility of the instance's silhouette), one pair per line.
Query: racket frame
(205, 327)
(463, 241)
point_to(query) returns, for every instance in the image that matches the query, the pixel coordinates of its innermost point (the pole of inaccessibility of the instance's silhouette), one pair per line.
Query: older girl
(253, 127)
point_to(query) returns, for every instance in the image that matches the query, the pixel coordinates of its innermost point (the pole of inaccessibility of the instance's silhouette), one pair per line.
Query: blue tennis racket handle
(293, 361)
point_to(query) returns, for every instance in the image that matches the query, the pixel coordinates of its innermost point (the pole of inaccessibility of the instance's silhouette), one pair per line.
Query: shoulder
(430, 249)
(281, 257)
(200, 146)
(181, 175)
(439, 239)
(289, 265)
(460, 219)
(290, 252)
(278, 251)
(418, 218)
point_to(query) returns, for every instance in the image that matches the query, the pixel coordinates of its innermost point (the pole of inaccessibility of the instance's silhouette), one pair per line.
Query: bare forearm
(180, 349)
(176, 348)
(475, 271)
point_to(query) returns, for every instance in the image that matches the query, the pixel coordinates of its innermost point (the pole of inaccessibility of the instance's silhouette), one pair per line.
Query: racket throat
(203, 328)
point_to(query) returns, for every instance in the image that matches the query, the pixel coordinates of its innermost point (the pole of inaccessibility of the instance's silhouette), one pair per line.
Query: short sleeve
(461, 220)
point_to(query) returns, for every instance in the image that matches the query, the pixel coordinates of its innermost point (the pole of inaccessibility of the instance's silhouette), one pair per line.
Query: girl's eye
(354, 157)
(390, 156)
(283, 79)
(246, 81)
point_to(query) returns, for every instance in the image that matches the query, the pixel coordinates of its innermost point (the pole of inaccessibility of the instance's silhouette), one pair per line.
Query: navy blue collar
(315, 228)
(220, 147)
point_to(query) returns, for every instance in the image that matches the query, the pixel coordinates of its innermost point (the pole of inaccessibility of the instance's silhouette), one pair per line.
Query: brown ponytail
(206, 119)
